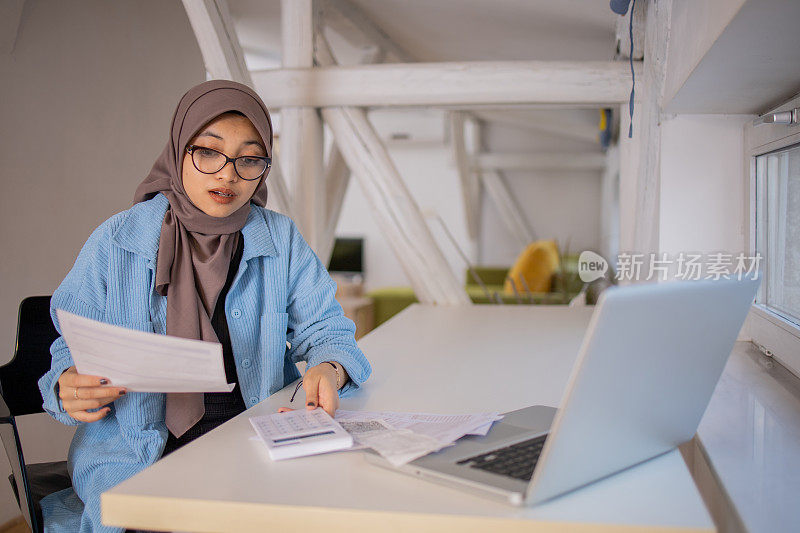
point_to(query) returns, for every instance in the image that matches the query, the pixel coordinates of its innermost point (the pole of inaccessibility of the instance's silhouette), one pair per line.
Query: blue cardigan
(281, 293)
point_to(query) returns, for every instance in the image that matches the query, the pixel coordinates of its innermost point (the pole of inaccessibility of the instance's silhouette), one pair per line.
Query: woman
(199, 257)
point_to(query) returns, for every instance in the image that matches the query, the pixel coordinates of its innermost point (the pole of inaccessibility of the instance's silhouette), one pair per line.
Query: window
(774, 157)
(777, 221)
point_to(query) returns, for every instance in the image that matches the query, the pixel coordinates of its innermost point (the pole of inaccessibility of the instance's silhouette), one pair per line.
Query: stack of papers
(402, 437)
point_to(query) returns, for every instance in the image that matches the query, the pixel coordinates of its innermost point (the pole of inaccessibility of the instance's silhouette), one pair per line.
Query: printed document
(402, 437)
(141, 361)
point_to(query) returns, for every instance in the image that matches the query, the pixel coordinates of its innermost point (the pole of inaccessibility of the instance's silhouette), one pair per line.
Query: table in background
(434, 359)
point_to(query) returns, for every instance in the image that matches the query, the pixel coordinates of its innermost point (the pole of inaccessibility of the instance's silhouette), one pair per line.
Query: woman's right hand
(79, 392)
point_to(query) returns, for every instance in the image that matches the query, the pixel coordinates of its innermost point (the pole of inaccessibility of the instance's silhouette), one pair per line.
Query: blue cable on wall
(633, 74)
(620, 7)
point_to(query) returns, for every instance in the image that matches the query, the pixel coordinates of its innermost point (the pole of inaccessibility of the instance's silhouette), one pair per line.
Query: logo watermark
(632, 266)
(591, 266)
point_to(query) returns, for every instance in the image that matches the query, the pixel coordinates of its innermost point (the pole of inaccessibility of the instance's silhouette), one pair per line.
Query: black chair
(19, 395)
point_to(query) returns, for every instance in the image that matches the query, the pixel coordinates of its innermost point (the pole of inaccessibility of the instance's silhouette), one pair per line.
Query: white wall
(87, 96)
(559, 205)
(564, 206)
(703, 182)
(609, 204)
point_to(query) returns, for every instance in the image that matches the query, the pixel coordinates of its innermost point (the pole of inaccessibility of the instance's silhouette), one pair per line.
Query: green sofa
(566, 285)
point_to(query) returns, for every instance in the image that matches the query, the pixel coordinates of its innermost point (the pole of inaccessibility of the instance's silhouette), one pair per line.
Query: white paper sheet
(409, 436)
(143, 362)
(482, 430)
(400, 446)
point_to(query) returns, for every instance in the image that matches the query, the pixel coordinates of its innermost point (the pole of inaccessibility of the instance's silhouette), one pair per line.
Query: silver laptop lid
(647, 367)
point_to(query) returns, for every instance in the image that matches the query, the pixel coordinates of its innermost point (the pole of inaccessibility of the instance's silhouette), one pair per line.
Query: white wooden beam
(393, 207)
(562, 125)
(297, 27)
(526, 106)
(352, 24)
(474, 137)
(223, 58)
(301, 127)
(213, 27)
(647, 129)
(470, 186)
(510, 212)
(609, 206)
(337, 178)
(279, 198)
(540, 161)
(597, 83)
(301, 159)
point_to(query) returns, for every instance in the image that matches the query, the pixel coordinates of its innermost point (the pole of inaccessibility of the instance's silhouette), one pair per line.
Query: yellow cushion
(536, 264)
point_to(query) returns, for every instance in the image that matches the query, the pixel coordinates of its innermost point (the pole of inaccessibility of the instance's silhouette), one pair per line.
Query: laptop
(649, 362)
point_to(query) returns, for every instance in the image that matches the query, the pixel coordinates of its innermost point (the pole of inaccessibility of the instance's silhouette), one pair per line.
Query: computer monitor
(347, 256)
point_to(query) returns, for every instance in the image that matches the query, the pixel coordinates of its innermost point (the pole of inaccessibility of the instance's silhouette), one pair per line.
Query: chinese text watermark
(631, 266)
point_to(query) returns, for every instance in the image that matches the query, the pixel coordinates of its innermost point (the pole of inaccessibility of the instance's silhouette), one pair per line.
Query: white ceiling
(473, 30)
(456, 30)
(753, 66)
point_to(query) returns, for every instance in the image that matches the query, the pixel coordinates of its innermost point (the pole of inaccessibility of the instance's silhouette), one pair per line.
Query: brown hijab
(195, 249)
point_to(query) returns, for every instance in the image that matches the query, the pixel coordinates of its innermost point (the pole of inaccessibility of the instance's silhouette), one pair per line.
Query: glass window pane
(778, 230)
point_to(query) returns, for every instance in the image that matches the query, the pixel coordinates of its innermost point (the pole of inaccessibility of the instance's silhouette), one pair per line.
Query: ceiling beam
(301, 149)
(223, 58)
(599, 83)
(213, 28)
(279, 198)
(337, 178)
(353, 25)
(393, 208)
(470, 184)
(507, 207)
(543, 161)
(647, 131)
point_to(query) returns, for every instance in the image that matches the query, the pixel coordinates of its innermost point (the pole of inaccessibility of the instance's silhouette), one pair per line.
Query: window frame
(772, 333)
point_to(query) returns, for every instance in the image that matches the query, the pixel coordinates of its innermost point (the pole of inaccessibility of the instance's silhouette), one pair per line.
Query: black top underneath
(220, 406)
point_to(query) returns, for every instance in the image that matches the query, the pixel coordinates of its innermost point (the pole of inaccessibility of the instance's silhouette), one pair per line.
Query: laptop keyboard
(517, 460)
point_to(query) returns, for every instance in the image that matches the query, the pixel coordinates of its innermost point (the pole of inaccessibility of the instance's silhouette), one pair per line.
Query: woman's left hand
(319, 384)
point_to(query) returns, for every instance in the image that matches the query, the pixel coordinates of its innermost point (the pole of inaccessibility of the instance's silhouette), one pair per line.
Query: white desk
(480, 358)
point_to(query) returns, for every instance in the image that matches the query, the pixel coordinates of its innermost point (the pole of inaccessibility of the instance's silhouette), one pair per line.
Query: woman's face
(222, 193)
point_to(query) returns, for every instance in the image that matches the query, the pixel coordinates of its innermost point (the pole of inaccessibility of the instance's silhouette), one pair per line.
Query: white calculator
(299, 433)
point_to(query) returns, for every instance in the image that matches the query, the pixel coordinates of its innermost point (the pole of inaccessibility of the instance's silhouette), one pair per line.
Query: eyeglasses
(210, 161)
